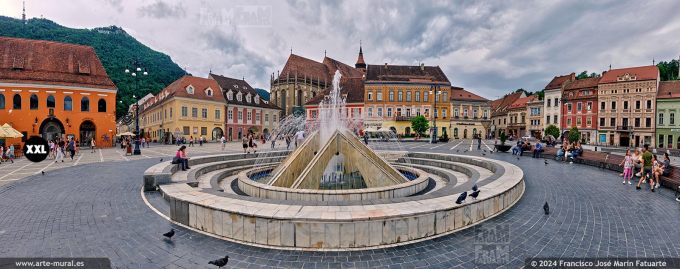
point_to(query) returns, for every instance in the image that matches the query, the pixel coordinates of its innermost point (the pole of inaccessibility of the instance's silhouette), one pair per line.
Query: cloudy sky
(487, 47)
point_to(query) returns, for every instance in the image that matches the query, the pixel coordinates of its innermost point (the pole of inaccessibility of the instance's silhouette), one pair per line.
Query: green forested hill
(115, 48)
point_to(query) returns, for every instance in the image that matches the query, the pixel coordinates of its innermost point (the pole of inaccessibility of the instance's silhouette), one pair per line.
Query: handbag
(175, 160)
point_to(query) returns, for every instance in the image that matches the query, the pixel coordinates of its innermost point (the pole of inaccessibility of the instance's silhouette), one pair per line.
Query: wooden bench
(672, 181)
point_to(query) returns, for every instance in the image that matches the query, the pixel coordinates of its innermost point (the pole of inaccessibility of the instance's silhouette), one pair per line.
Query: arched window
(85, 104)
(68, 103)
(101, 105)
(34, 101)
(16, 101)
(2, 101)
(50, 101)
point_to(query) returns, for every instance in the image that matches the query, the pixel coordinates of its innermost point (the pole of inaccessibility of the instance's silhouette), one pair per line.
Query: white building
(551, 102)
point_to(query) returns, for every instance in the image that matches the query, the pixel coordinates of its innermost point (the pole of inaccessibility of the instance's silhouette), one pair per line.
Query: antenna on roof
(653, 61)
(324, 53)
(291, 49)
(23, 13)
(610, 67)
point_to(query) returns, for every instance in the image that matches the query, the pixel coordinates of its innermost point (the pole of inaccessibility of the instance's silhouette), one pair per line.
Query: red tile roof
(345, 70)
(47, 62)
(179, 89)
(351, 88)
(239, 85)
(585, 83)
(649, 72)
(405, 73)
(668, 89)
(301, 66)
(557, 81)
(522, 102)
(459, 94)
(499, 106)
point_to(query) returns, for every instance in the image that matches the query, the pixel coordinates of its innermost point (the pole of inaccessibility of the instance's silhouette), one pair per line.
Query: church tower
(361, 65)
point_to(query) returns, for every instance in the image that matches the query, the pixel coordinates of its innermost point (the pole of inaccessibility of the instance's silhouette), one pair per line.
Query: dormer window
(257, 99)
(190, 89)
(209, 92)
(230, 95)
(248, 98)
(235, 86)
(239, 97)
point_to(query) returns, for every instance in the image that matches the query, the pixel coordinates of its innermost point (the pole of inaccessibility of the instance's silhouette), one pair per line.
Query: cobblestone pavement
(96, 210)
(22, 168)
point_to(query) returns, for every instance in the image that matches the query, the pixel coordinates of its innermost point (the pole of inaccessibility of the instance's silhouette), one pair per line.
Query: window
(547, 119)
(548, 102)
(258, 116)
(171, 112)
(556, 101)
(612, 122)
(661, 144)
(417, 96)
(637, 122)
(637, 104)
(625, 122)
(370, 96)
(602, 122)
(85, 104)
(239, 97)
(486, 114)
(2, 101)
(391, 96)
(389, 112)
(186, 130)
(579, 106)
(204, 130)
(208, 92)
(436, 112)
(569, 121)
(230, 95)
(230, 114)
(380, 112)
(601, 105)
(194, 112)
(569, 107)
(68, 103)
(399, 111)
(370, 112)
(578, 121)
(190, 89)
(648, 122)
(266, 117)
(465, 113)
(50, 101)
(613, 105)
(661, 119)
(101, 105)
(33, 101)
(589, 121)
(455, 112)
(379, 96)
(240, 115)
(204, 113)
(625, 105)
(649, 104)
(589, 106)
(218, 114)
(185, 111)
(474, 113)
(671, 120)
(426, 96)
(443, 112)
(400, 96)
(555, 119)
(16, 101)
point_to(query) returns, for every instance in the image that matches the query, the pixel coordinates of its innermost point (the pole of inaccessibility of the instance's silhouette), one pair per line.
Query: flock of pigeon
(221, 262)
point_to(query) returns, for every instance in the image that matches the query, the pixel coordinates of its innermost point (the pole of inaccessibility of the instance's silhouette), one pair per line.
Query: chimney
(422, 67)
(385, 65)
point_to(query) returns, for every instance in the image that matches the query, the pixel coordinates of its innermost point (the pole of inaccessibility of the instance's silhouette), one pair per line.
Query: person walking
(200, 141)
(299, 137)
(646, 169)
(251, 142)
(273, 142)
(627, 165)
(366, 138)
(10, 153)
(72, 148)
(92, 145)
(59, 151)
(223, 140)
(191, 141)
(479, 142)
(287, 141)
(244, 143)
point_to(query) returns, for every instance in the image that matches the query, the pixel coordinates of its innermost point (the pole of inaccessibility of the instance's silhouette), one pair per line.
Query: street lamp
(135, 70)
(435, 92)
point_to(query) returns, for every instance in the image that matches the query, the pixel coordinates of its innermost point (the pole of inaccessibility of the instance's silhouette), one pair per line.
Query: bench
(671, 181)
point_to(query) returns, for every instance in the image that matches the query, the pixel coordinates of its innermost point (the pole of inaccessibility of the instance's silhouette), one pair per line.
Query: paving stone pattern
(95, 210)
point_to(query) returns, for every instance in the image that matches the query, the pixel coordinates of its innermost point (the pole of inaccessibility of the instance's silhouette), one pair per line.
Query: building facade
(245, 110)
(302, 79)
(499, 113)
(56, 91)
(552, 98)
(667, 109)
(517, 116)
(535, 118)
(190, 107)
(471, 114)
(580, 107)
(352, 91)
(394, 94)
(627, 103)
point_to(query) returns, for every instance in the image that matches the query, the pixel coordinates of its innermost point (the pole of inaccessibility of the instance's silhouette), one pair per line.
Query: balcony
(403, 118)
(624, 128)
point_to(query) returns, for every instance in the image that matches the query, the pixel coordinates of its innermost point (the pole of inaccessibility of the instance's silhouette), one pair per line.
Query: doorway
(87, 132)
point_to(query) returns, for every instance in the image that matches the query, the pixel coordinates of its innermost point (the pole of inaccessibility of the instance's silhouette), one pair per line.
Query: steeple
(360, 61)
(23, 13)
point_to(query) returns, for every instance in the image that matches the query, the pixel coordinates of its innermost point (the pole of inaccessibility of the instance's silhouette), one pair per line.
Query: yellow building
(394, 94)
(471, 114)
(189, 107)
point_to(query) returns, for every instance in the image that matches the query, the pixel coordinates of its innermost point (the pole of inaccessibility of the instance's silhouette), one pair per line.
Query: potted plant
(503, 147)
(444, 138)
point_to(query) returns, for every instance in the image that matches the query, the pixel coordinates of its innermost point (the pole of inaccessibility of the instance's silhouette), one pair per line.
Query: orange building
(55, 90)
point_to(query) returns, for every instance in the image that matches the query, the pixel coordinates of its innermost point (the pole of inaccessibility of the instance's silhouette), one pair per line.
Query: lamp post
(435, 92)
(136, 69)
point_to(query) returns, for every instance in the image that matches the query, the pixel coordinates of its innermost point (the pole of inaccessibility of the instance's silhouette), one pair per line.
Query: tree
(419, 124)
(668, 70)
(552, 130)
(574, 135)
(503, 138)
(585, 74)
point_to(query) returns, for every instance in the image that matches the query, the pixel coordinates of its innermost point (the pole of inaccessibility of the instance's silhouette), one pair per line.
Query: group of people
(248, 142)
(569, 151)
(6, 153)
(648, 166)
(59, 148)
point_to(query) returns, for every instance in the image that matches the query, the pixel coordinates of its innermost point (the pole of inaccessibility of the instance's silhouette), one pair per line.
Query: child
(627, 167)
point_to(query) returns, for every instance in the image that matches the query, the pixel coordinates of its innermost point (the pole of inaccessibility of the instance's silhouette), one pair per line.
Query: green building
(667, 110)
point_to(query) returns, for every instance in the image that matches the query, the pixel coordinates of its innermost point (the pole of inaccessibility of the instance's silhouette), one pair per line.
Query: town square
(316, 134)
